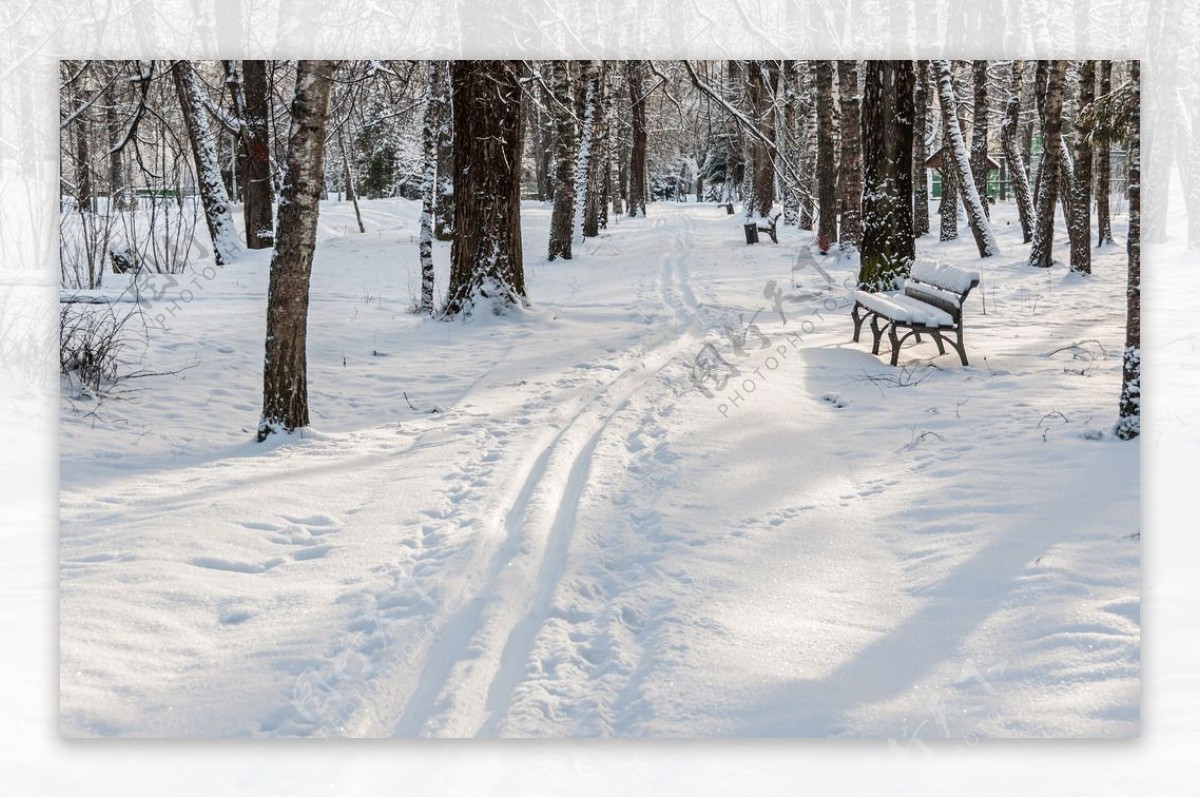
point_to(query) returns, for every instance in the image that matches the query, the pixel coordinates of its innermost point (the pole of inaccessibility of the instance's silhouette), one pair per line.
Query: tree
(1041, 253)
(979, 133)
(920, 181)
(285, 364)
(586, 219)
(211, 186)
(761, 197)
(637, 154)
(850, 172)
(565, 149)
(258, 194)
(888, 247)
(1103, 168)
(1081, 187)
(485, 258)
(827, 233)
(955, 149)
(433, 111)
(1129, 408)
(1012, 153)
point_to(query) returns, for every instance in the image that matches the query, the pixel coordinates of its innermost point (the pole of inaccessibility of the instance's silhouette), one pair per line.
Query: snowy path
(579, 542)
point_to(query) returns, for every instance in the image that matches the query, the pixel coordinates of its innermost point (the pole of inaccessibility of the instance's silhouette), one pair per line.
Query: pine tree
(485, 258)
(285, 364)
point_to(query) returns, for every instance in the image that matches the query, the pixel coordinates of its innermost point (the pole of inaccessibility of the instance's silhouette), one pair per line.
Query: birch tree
(209, 183)
(285, 364)
(565, 151)
(827, 232)
(920, 181)
(956, 150)
(850, 169)
(1080, 220)
(1012, 152)
(1129, 408)
(1041, 253)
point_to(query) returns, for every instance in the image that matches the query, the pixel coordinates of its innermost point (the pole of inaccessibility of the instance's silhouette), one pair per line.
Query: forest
(524, 397)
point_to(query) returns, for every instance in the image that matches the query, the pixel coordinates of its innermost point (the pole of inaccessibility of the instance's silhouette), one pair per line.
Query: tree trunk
(920, 179)
(761, 197)
(850, 171)
(808, 149)
(1041, 254)
(84, 192)
(979, 135)
(444, 212)
(565, 152)
(888, 247)
(1081, 187)
(1012, 154)
(792, 141)
(1129, 409)
(956, 150)
(285, 365)
(1103, 167)
(428, 187)
(258, 210)
(637, 155)
(827, 233)
(348, 180)
(485, 259)
(208, 173)
(586, 184)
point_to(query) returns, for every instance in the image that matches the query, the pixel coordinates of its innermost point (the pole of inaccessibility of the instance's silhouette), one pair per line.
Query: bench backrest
(940, 285)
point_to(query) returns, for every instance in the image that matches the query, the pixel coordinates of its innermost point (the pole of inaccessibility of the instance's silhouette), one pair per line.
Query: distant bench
(932, 302)
(753, 229)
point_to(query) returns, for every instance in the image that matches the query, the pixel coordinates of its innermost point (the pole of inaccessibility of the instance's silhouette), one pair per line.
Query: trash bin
(729, 209)
(751, 229)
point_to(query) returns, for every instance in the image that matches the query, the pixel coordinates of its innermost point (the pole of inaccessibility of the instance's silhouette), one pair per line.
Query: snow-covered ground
(558, 533)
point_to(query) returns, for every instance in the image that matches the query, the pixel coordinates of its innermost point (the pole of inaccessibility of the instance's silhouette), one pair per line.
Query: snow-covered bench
(931, 302)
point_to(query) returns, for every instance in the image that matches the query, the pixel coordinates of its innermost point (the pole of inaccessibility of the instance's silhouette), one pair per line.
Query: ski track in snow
(562, 536)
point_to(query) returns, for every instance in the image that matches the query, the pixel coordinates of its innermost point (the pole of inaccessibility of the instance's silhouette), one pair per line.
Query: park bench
(931, 302)
(753, 229)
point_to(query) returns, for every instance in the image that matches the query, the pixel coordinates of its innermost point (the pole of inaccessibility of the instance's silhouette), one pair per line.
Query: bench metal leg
(937, 339)
(858, 321)
(876, 335)
(959, 347)
(891, 330)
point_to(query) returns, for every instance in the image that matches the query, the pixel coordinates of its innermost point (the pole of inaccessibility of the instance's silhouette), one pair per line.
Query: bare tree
(920, 181)
(213, 196)
(565, 149)
(285, 365)
(485, 258)
(1129, 415)
(827, 232)
(850, 170)
(1041, 253)
(888, 247)
(1103, 168)
(956, 151)
(1080, 220)
(979, 133)
(1012, 153)
(637, 155)
(257, 191)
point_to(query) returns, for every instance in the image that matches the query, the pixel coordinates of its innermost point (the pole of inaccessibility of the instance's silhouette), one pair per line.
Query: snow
(537, 524)
(905, 309)
(943, 275)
